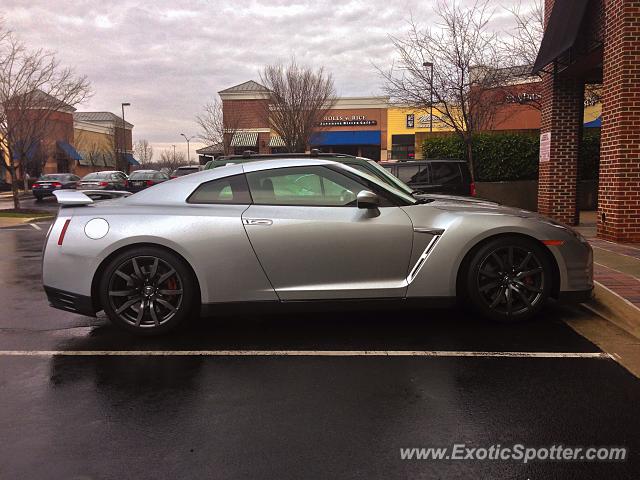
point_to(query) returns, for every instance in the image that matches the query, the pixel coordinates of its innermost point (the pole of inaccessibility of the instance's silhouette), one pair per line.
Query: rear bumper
(70, 302)
(576, 296)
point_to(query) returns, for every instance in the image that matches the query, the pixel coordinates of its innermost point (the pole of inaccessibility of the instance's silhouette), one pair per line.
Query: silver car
(282, 232)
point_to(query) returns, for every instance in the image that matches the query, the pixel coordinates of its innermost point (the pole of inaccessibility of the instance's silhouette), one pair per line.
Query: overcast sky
(169, 58)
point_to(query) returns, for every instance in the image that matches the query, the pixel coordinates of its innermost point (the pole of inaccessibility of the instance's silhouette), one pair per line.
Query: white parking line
(298, 353)
(37, 227)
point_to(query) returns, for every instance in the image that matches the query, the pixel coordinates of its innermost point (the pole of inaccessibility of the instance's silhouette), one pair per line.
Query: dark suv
(450, 177)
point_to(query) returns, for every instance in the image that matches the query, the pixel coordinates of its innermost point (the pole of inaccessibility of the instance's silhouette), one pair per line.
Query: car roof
(422, 162)
(188, 166)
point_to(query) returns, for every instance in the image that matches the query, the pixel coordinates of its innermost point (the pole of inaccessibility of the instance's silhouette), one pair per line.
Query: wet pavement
(313, 416)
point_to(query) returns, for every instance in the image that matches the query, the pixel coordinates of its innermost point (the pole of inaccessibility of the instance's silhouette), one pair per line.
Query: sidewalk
(617, 277)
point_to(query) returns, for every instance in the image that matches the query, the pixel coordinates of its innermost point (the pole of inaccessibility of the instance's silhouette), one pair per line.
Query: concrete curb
(11, 222)
(616, 309)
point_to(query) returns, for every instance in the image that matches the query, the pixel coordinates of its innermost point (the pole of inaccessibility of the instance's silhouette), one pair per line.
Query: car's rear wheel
(147, 291)
(509, 279)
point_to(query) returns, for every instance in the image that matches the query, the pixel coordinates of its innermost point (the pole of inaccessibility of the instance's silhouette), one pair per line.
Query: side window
(303, 186)
(231, 190)
(408, 173)
(445, 173)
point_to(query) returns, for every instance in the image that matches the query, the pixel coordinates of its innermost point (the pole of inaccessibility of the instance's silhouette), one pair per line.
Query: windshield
(407, 197)
(395, 181)
(49, 178)
(96, 176)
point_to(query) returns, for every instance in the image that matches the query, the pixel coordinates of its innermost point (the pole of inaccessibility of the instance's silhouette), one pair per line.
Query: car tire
(509, 279)
(150, 279)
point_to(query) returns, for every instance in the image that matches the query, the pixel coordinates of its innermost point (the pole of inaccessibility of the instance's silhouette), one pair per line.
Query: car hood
(453, 198)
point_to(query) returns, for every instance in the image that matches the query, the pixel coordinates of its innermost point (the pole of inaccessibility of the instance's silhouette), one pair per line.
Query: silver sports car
(286, 231)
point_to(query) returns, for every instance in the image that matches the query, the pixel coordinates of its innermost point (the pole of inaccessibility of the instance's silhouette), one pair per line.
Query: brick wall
(240, 114)
(619, 191)
(562, 113)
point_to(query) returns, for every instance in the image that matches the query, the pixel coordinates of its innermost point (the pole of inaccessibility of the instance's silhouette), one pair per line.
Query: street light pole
(430, 65)
(188, 139)
(123, 145)
(174, 153)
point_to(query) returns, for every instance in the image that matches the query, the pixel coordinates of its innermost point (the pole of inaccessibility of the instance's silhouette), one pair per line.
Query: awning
(594, 123)
(69, 150)
(276, 141)
(245, 139)
(30, 153)
(130, 160)
(357, 137)
(561, 31)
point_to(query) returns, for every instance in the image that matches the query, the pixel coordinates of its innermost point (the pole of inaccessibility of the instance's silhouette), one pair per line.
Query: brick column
(619, 189)
(562, 118)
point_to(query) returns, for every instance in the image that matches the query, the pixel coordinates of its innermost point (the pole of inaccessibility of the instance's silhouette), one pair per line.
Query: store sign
(523, 97)
(425, 120)
(410, 120)
(346, 121)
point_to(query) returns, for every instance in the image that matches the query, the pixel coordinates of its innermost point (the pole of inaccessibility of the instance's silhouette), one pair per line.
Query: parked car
(106, 180)
(449, 177)
(141, 179)
(47, 184)
(286, 231)
(186, 170)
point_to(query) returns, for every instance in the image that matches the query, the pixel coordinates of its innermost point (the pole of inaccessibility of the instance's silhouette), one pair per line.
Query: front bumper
(70, 302)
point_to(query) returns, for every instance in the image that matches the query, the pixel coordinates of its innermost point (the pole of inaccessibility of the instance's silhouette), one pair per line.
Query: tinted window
(142, 175)
(444, 173)
(412, 173)
(224, 190)
(313, 186)
(50, 178)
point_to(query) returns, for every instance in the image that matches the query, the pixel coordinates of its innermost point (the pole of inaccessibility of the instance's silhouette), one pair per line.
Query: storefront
(403, 124)
(355, 126)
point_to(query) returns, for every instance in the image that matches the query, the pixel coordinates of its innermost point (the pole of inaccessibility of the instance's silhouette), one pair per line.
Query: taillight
(104, 184)
(126, 183)
(56, 184)
(149, 183)
(64, 231)
(172, 177)
(472, 189)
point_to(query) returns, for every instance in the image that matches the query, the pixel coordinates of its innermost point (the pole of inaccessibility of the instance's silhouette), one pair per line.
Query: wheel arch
(464, 265)
(95, 282)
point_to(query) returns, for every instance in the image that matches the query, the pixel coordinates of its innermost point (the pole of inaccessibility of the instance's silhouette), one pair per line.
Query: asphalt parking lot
(315, 395)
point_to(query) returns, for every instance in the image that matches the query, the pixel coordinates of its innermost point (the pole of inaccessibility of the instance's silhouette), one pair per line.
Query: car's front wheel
(509, 279)
(147, 291)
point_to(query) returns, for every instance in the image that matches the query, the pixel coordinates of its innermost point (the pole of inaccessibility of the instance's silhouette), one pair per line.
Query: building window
(403, 147)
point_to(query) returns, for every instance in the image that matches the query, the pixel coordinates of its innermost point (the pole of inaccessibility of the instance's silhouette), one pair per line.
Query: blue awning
(594, 123)
(357, 137)
(130, 160)
(30, 153)
(69, 150)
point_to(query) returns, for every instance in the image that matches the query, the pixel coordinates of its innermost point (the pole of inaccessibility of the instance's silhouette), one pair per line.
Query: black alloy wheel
(147, 291)
(509, 279)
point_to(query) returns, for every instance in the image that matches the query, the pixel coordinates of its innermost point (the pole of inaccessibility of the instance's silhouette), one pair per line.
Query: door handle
(258, 221)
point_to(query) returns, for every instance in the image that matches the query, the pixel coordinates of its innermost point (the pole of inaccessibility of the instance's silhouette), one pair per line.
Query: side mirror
(367, 199)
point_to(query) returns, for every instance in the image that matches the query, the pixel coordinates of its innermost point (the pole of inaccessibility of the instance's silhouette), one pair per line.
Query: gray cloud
(169, 58)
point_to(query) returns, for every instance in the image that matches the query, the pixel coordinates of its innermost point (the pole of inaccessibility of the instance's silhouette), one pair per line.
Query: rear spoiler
(71, 198)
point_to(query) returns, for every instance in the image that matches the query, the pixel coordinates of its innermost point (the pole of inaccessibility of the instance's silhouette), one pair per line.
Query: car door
(315, 243)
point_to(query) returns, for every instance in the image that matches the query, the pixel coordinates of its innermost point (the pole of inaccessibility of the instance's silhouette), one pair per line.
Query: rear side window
(413, 173)
(229, 190)
(444, 173)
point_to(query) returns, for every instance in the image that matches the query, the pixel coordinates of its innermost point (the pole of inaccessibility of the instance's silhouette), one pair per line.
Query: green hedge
(509, 156)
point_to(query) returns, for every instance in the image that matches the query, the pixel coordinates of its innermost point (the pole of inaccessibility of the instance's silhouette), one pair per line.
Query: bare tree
(143, 151)
(216, 128)
(33, 87)
(466, 61)
(170, 160)
(300, 98)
